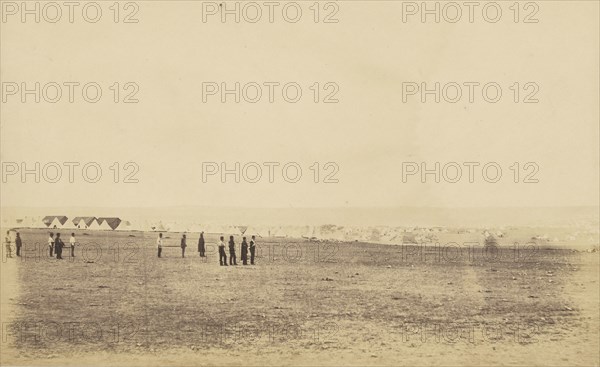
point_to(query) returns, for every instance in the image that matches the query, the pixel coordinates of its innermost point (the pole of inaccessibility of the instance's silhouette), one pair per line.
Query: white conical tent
(104, 225)
(78, 222)
(255, 231)
(36, 222)
(56, 223)
(230, 231)
(69, 224)
(94, 224)
(137, 224)
(158, 227)
(47, 220)
(83, 222)
(213, 229)
(110, 223)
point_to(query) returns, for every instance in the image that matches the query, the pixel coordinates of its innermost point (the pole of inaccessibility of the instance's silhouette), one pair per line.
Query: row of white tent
(325, 232)
(328, 232)
(377, 234)
(62, 222)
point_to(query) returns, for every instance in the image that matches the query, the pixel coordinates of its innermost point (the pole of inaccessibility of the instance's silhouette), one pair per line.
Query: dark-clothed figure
(159, 244)
(222, 256)
(201, 244)
(244, 251)
(232, 258)
(252, 249)
(51, 243)
(58, 246)
(18, 244)
(183, 246)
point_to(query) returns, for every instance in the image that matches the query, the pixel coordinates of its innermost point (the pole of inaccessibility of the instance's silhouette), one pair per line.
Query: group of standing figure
(232, 257)
(222, 255)
(55, 245)
(18, 244)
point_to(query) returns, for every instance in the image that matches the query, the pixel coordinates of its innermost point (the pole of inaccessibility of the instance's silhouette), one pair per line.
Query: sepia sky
(369, 53)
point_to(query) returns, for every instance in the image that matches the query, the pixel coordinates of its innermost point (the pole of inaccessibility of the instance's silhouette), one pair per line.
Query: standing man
(159, 244)
(222, 256)
(7, 244)
(183, 246)
(18, 244)
(58, 246)
(72, 243)
(201, 249)
(252, 249)
(244, 251)
(232, 258)
(51, 243)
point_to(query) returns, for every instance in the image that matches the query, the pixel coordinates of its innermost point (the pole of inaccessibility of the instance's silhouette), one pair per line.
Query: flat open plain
(322, 303)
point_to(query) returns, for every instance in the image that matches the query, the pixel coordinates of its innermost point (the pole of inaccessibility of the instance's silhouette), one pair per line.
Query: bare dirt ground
(303, 303)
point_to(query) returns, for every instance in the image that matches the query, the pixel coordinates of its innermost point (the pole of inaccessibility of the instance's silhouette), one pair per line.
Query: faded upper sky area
(368, 134)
